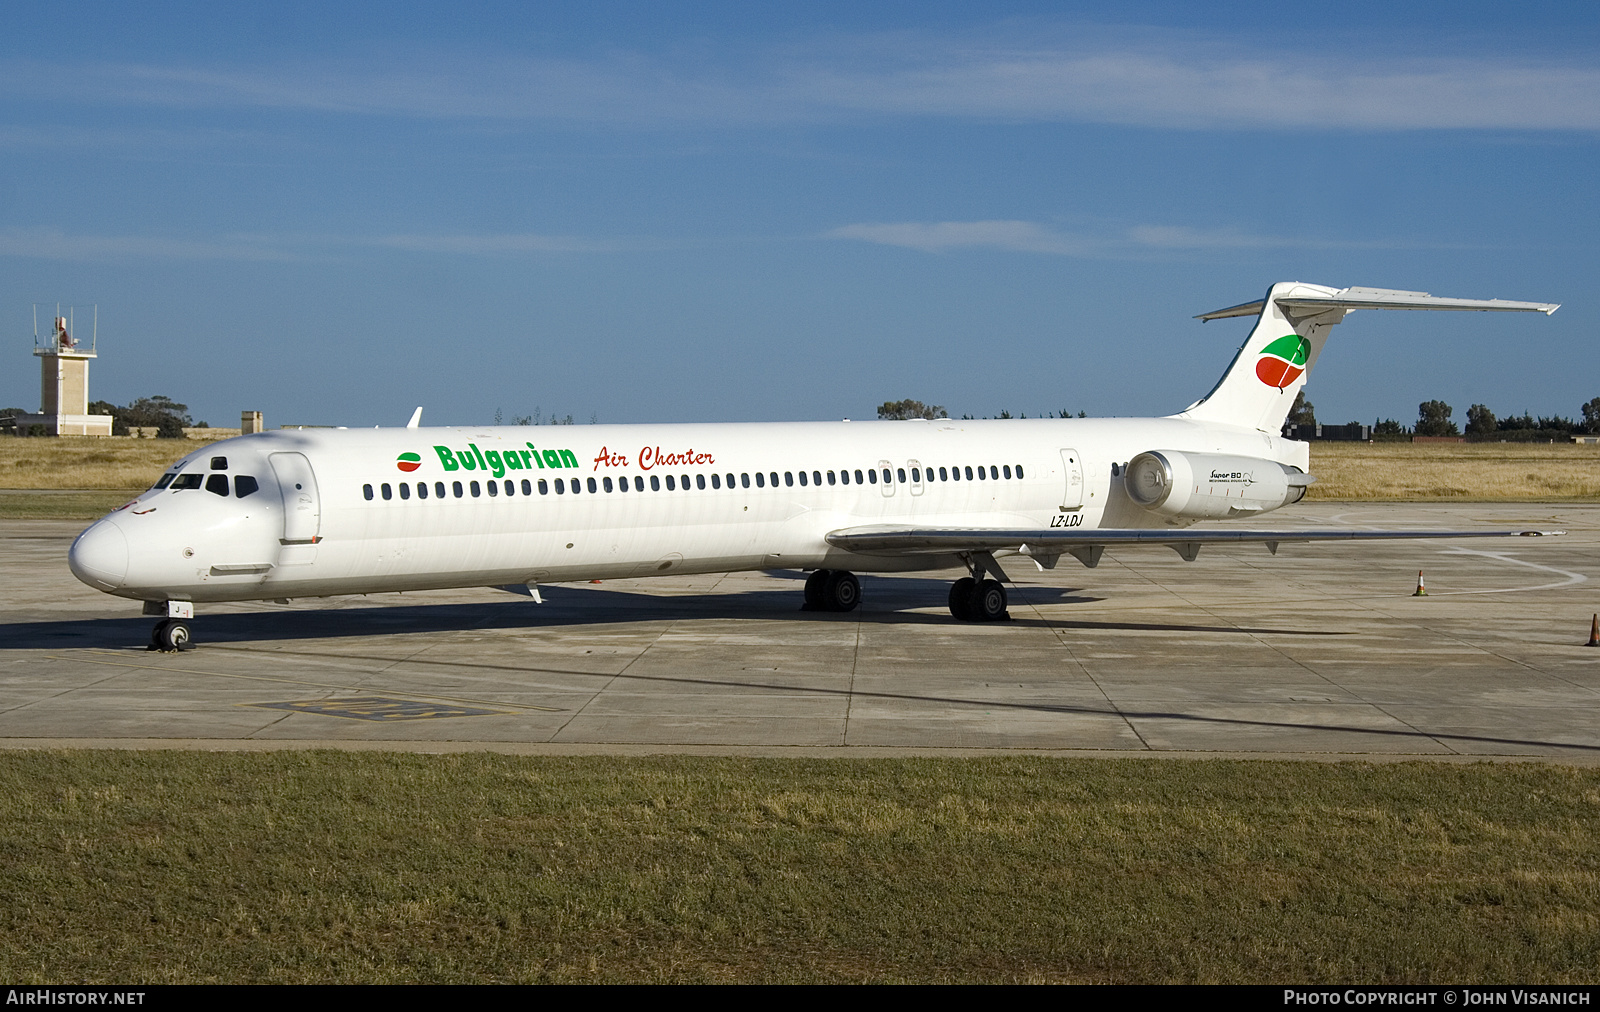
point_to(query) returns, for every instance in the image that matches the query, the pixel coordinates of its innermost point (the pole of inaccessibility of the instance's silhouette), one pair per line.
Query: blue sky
(657, 212)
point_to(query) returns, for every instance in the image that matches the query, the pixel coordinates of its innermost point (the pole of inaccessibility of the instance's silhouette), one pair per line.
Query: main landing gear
(978, 600)
(832, 590)
(172, 633)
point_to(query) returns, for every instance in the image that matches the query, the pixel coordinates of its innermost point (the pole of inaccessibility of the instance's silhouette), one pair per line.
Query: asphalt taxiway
(1319, 652)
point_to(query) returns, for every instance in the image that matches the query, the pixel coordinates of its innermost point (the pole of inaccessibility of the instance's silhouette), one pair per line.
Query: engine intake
(1199, 486)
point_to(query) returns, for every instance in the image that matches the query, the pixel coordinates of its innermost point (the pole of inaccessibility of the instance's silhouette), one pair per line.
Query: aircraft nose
(100, 556)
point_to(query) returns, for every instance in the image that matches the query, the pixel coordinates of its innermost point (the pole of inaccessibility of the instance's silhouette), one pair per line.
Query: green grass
(321, 866)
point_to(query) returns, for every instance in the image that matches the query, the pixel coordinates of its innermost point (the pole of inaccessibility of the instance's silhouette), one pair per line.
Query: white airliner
(313, 513)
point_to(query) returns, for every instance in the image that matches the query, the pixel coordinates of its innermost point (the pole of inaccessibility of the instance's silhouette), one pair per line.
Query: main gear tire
(961, 598)
(843, 591)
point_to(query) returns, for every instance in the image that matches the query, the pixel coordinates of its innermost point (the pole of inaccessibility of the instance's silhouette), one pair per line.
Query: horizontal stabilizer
(1381, 298)
(886, 540)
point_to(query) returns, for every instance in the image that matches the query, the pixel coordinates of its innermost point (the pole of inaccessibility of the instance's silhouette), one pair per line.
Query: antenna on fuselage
(416, 418)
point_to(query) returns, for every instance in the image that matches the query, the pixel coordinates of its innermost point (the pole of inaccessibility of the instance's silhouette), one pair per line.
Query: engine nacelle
(1199, 486)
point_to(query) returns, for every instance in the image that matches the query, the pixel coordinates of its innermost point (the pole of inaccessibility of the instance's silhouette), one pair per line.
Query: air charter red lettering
(651, 456)
(609, 459)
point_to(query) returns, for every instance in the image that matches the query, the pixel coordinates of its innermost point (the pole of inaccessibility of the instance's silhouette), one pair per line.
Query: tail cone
(1594, 632)
(1422, 591)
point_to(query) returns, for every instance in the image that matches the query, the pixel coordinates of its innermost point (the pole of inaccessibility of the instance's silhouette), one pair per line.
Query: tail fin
(1272, 365)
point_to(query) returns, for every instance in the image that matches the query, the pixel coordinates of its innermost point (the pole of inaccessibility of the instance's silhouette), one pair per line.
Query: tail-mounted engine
(1198, 486)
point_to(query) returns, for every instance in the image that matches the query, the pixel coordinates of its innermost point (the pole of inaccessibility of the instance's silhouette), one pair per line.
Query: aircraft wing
(1087, 544)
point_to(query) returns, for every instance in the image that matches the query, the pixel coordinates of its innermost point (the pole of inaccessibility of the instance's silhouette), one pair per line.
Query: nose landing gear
(832, 590)
(172, 633)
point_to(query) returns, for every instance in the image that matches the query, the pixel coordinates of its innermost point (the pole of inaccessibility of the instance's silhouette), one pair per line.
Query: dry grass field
(1514, 472)
(85, 462)
(104, 473)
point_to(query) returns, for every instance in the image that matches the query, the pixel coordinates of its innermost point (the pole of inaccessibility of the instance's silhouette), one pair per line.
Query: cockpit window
(165, 480)
(244, 485)
(186, 481)
(219, 463)
(217, 484)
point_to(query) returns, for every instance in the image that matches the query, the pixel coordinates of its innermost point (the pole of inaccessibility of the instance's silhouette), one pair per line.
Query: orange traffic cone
(1422, 591)
(1594, 633)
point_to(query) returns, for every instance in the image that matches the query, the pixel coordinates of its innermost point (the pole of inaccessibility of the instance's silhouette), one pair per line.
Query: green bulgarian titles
(498, 462)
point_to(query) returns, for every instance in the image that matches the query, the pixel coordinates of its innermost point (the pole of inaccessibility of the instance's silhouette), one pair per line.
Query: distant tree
(1302, 411)
(1005, 414)
(522, 420)
(497, 418)
(899, 411)
(1433, 419)
(1388, 427)
(1480, 420)
(163, 414)
(1591, 416)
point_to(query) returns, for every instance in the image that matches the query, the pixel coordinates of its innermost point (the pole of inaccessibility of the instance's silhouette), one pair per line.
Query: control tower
(64, 380)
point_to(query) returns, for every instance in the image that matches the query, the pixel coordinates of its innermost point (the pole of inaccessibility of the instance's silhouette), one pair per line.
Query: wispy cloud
(1177, 80)
(1033, 237)
(942, 236)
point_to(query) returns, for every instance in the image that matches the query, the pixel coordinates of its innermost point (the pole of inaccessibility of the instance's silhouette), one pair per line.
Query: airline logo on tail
(1283, 361)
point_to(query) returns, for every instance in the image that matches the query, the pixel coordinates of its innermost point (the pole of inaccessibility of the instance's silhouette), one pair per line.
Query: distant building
(63, 384)
(1361, 433)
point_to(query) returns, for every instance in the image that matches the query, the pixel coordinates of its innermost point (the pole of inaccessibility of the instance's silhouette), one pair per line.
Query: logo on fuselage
(408, 462)
(498, 462)
(1283, 361)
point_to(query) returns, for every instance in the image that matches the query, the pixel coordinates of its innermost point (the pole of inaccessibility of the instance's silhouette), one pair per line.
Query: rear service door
(302, 507)
(1072, 467)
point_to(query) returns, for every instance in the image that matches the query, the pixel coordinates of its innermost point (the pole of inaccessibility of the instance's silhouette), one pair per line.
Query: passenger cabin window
(456, 488)
(730, 481)
(594, 486)
(1019, 470)
(900, 473)
(802, 477)
(672, 484)
(761, 480)
(186, 481)
(994, 472)
(716, 481)
(544, 487)
(655, 483)
(388, 493)
(607, 483)
(699, 481)
(527, 487)
(774, 479)
(1007, 470)
(494, 487)
(744, 481)
(405, 490)
(830, 477)
(969, 474)
(366, 492)
(245, 485)
(438, 489)
(844, 476)
(219, 464)
(944, 475)
(217, 484)
(422, 490)
(561, 488)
